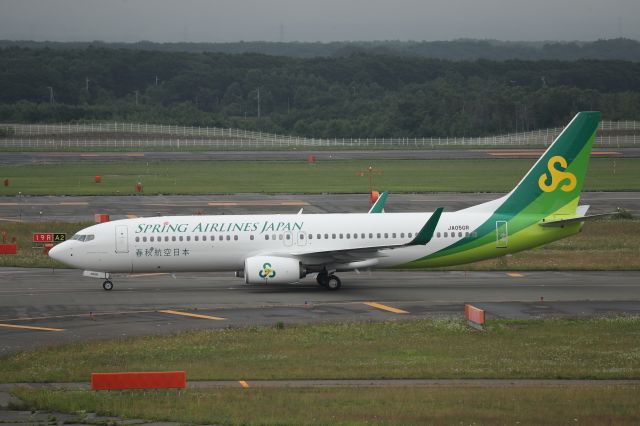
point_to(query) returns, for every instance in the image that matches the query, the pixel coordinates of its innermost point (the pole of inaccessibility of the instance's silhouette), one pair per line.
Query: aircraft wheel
(322, 279)
(107, 285)
(333, 283)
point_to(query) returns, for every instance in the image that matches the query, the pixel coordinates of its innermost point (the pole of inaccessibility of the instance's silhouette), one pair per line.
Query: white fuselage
(222, 243)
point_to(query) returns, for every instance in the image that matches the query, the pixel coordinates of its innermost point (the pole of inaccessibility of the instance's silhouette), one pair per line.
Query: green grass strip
(338, 176)
(561, 405)
(596, 348)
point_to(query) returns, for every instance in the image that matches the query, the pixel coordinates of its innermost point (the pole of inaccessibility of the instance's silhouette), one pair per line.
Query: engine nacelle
(272, 269)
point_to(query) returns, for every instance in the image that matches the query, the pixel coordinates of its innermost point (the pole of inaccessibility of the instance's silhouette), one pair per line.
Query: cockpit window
(83, 238)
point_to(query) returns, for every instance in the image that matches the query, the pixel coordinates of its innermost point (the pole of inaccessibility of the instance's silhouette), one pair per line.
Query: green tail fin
(553, 185)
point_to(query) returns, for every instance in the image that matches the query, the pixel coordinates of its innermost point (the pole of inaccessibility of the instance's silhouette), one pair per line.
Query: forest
(359, 94)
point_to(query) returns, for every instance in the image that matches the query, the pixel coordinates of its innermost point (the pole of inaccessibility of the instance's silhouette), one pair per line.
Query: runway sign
(8, 249)
(474, 316)
(49, 237)
(139, 380)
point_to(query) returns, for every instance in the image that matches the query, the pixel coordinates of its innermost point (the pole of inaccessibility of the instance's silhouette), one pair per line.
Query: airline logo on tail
(557, 176)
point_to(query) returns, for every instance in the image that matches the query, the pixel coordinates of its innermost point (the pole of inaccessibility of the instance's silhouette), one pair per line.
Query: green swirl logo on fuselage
(557, 176)
(267, 271)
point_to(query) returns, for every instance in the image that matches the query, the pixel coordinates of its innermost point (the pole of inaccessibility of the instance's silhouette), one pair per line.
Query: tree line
(361, 94)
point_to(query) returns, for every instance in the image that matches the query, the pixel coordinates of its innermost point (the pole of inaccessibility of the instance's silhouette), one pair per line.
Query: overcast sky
(321, 20)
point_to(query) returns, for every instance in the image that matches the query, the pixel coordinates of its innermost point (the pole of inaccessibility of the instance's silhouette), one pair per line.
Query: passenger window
(221, 237)
(326, 236)
(251, 237)
(341, 236)
(144, 239)
(393, 235)
(173, 238)
(333, 236)
(319, 236)
(195, 238)
(266, 237)
(386, 235)
(311, 236)
(302, 236)
(355, 236)
(166, 238)
(228, 237)
(188, 237)
(348, 236)
(137, 239)
(370, 235)
(438, 235)
(279, 237)
(204, 238)
(459, 234)
(151, 239)
(409, 235)
(446, 234)
(235, 238)
(180, 238)
(402, 235)
(379, 235)
(363, 236)
(288, 236)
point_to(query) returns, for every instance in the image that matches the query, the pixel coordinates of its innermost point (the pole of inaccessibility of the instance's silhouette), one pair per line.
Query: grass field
(339, 176)
(602, 245)
(597, 348)
(590, 405)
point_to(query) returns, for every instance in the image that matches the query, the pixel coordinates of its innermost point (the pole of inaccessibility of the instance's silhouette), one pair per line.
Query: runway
(84, 208)
(297, 155)
(41, 307)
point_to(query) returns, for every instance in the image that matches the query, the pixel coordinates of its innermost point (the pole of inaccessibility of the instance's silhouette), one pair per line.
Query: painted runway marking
(385, 307)
(515, 274)
(243, 384)
(188, 314)
(27, 327)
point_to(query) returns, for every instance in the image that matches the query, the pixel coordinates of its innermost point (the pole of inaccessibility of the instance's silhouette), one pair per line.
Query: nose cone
(57, 252)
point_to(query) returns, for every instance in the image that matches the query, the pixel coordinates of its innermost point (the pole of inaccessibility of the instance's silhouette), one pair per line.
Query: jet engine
(272, 269)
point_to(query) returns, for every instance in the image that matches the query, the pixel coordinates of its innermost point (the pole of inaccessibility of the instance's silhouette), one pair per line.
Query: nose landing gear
(107, 285)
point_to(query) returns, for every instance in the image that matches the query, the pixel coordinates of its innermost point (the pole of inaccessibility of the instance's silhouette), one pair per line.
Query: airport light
(371, 171)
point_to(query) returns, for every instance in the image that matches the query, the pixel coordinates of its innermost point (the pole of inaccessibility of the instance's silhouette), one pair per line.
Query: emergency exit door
(502, 234)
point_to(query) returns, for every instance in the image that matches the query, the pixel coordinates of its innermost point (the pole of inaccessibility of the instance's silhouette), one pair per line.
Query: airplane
(280, 248)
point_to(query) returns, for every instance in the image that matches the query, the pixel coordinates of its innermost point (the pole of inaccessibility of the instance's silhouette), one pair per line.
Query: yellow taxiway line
(28, 327)
(243, 384)
(515, 274)
(385, 307)
(188, 314)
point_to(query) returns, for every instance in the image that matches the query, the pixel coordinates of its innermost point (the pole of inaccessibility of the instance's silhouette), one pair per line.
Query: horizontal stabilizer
(562, 222)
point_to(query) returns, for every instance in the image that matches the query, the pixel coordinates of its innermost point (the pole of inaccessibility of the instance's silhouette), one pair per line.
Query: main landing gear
(329, 281)
(107, 285)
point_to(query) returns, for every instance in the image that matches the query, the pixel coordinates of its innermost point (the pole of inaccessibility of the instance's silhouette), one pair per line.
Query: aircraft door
(502, 234)
(122, 239)
(301, 238)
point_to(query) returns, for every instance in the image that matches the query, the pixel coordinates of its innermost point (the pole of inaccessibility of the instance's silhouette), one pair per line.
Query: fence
(145, 136)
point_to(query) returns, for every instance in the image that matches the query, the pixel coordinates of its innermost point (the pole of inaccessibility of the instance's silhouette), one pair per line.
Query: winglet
(426, 233)
(378, 206)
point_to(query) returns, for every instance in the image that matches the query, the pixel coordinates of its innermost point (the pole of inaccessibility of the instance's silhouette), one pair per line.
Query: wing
(360, 257)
